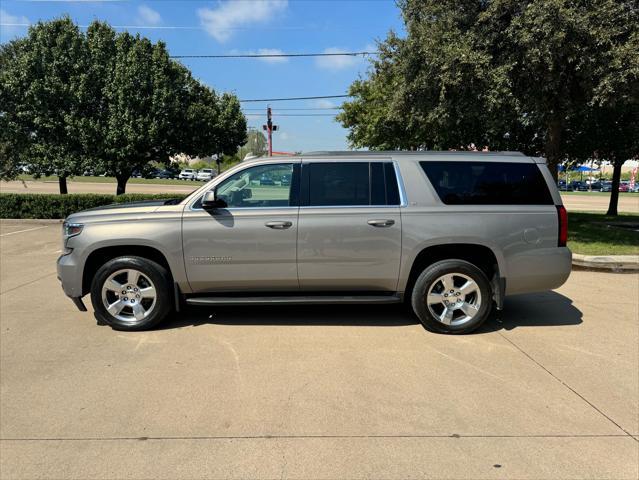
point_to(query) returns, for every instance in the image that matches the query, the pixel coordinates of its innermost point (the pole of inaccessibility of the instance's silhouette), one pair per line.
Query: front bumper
(70, 275)
(77, 301)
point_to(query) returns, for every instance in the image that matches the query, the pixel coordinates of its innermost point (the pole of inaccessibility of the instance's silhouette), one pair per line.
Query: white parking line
(22, 231)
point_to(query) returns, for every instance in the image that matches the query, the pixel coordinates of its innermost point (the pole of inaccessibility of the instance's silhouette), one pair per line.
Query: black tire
(157, 274)
(429, 277)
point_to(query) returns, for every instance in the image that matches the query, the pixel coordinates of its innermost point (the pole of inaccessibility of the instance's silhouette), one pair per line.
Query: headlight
(71, 229)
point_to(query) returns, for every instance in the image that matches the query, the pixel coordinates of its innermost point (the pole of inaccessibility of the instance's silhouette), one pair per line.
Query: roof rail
(354, 153)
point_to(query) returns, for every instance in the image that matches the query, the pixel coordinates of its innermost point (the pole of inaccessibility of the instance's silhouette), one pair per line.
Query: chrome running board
(294, 300)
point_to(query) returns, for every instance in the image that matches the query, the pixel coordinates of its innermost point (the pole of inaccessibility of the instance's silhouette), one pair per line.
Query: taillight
(562, 215)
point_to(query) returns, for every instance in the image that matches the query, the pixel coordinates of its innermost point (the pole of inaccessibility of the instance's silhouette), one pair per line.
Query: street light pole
(270, 128)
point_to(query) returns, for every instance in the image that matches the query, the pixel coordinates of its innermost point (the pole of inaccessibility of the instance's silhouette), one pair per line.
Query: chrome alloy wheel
(129, 295)
(454, 299)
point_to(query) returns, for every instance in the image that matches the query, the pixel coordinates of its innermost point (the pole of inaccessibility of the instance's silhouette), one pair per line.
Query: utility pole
(270, 128)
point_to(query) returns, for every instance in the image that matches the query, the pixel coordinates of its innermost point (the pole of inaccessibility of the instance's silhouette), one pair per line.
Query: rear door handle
(381, 223)
(279, 225)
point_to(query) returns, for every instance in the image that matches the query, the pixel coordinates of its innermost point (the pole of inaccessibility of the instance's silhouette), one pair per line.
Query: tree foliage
(41, 100)
(106, 101)
(550, 77)
(256, 145)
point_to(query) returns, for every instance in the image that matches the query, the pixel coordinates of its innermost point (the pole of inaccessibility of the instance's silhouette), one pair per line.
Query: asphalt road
(593, 203)
(599, 202)
(549, 390)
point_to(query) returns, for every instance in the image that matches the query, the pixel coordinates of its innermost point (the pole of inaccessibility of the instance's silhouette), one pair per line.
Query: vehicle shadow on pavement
(346, 315)
(546, 309)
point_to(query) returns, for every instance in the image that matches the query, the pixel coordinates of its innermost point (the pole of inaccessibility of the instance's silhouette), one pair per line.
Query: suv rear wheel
(452, 296)
(131, 293)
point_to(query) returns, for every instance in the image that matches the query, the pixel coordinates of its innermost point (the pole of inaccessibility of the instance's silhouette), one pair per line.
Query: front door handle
(381, 223)
(279, 225)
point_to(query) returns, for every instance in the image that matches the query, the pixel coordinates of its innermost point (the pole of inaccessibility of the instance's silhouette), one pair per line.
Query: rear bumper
(538, 270)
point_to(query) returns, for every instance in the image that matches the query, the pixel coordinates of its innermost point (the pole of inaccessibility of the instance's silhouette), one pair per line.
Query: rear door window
(488, 183)
(349, 184)
(344, 184)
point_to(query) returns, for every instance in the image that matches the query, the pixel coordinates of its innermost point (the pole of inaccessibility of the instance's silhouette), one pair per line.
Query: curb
(610, 263)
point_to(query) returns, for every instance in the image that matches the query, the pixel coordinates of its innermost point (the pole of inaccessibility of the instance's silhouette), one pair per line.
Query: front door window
(260, 186)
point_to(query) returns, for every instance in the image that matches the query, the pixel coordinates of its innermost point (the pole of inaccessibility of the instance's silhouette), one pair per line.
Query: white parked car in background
(187, 174)
(205, 174)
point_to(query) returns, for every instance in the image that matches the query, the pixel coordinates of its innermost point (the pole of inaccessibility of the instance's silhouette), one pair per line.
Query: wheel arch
(101, 255)
(482, 256)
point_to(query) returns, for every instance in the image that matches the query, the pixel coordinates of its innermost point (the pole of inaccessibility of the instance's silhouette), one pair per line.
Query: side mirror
(211, 202)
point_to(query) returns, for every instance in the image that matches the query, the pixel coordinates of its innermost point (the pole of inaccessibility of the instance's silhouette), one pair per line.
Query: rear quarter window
(488, 183)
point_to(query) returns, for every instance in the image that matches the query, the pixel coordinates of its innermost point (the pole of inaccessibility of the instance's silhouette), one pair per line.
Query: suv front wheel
(131, 293)
(452, 296)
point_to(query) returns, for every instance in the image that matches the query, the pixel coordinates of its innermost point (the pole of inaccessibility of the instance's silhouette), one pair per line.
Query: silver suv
(449, 233)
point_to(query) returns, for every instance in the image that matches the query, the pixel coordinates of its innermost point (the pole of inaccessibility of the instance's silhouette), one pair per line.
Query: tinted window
(488, 183)
(392, 192)
(378, 188)
(339, 184)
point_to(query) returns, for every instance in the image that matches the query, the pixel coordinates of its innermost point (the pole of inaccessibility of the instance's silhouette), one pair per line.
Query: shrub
(36, 205)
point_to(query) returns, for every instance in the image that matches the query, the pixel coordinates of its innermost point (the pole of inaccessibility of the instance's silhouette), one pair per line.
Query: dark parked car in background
(564, 187)
(285, 180)
(586, 187)
(266, 180)
(606, 187)
(164, 174)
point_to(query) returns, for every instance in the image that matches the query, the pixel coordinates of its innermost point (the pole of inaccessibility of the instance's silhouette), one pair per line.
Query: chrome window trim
(257, 163)
(400, 185)
(348, 206)
(403, 199)
(241, 209)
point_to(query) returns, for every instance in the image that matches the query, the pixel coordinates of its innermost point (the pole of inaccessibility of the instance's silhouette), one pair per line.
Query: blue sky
(196, 27)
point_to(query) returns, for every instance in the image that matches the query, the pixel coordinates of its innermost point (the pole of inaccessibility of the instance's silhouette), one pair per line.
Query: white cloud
(263, 51)
(148, 16)
(12, 25)
(231, 15)
(271, 51)
(323, 103)
(337, 62)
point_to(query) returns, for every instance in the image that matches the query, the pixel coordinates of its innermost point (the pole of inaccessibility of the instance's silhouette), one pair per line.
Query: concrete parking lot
(549, 389)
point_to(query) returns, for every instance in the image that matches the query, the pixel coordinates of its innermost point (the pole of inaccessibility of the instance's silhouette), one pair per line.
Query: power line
(294, 98)
(293, 114)
(292, 109)
(279, 55)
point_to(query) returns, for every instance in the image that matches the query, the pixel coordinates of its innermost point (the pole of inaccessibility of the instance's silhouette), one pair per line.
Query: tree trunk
(122, 179)
(553, 146)
(62, 182)
(614, 195)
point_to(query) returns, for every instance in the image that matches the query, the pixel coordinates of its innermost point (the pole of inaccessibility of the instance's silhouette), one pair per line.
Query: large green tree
(151, 107)
(109, 101)
(42, 101)
(509, 74)
(13, 136)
